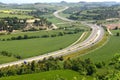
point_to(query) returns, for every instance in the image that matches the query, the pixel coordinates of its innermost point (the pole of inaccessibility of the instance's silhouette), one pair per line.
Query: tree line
(84, 67)
(101, 13)
(42, 36)
(8, 54)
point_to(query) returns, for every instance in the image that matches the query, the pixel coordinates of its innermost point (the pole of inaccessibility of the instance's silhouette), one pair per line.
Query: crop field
(37, 46)
(30, 33)
(53, 19)
(64, 15)
(4, 59)
(51, 75)
(2, 15)
(14, 11)
(70, 26)
(106, 52)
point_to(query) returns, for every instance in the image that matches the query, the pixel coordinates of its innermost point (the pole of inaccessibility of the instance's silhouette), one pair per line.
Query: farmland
(53, 19)
(38, 46)
(97, 58)
(106, 52)
(4, 59)
(19, 13)
(2, 15)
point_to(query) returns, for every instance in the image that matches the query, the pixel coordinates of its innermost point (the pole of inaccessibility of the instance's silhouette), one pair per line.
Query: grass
(82, 54)
(4, 59)
(38, 46)
(50, 75)
(106, 52)
(64, 15)
(53, 19)
(30, 33)
(72, 26)
(87, 34)
(2, 15)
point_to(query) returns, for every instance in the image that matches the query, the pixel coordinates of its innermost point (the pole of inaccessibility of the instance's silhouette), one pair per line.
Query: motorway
(95, 36)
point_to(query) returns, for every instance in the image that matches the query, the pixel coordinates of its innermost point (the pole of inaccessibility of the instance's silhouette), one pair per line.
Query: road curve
(95, 36)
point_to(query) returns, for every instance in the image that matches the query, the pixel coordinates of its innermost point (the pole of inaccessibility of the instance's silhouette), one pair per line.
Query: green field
(37, 46)
(30, 33)
(4, 59)
(50, 75)
(2, 15)
(53, 19)
(64, 15)
(106, 52)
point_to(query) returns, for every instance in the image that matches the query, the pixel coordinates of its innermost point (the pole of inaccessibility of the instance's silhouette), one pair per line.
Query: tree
(60, 34)
(10, 29)
(25, 37)
(117, 34)
(67, 64)
(33, 66)
(61, 58)
(19, 38)
(91, 69)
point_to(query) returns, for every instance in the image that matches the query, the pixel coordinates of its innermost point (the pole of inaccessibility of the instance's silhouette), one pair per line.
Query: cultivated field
(4, 59)
(53, 19)
(106, 52)
(36, 46)
(2, 15)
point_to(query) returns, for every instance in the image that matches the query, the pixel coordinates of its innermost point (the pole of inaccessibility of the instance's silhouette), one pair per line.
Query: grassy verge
(85, 37)
(106, 52)
(85, 51)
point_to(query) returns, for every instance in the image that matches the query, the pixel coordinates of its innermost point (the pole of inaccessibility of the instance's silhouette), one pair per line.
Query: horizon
(52, 1)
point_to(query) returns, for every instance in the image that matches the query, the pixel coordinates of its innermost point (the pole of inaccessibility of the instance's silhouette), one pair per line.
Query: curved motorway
(95, 36)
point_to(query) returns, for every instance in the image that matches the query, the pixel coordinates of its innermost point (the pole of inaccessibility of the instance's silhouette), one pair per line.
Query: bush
(60, 34)
(5, 53)
(25, 37)
(33, 29)
(45, 36)
(2, 33)
(53, 35)
(19, 38)
(13, 38)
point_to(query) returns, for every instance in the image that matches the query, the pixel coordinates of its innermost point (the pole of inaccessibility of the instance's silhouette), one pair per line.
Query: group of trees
(42, 22)
(14, 23)
(42, 36)
(84, 67)
(101, 13)
(8, 54)
(10, 24)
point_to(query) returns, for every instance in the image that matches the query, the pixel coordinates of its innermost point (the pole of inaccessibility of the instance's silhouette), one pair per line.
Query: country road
(95, 36)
